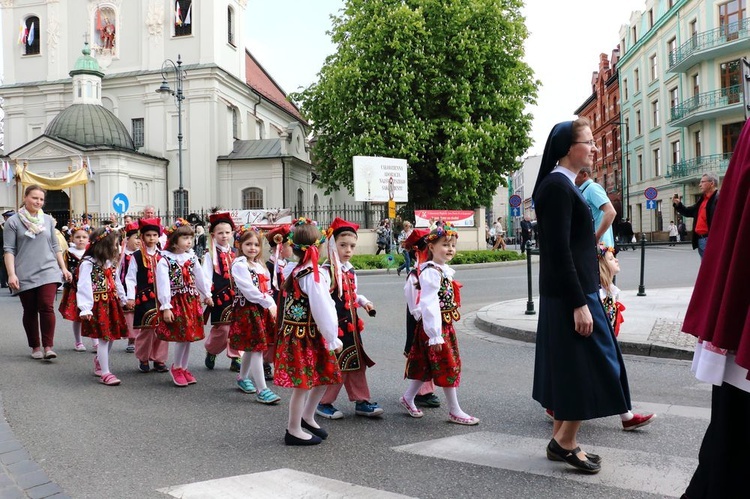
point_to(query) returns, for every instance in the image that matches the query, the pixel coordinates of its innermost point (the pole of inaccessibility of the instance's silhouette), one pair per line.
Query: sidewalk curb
(626, 347)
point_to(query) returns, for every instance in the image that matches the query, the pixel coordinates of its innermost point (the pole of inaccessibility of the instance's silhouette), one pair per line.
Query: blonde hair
(606, 278)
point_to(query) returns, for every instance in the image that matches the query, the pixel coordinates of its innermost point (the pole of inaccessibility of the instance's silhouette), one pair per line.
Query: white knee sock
(245, 366)
(296, 407)
(77, 332)
(102, 355)
(256, 369)
(185, 356)
(412, 390)
(626, 416)
(451, 396)
(179, 352)
(313, 399)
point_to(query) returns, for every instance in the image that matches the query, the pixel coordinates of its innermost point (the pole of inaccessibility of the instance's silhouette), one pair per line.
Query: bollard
(641, 287)
(530, 302)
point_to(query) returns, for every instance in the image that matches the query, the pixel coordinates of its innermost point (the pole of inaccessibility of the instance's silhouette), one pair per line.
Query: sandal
(413, 411)
(110, 379)
(97, 367)
(570, 457)
(470, 421)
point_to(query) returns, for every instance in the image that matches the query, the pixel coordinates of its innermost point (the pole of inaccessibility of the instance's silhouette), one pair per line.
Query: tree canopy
(440, 83)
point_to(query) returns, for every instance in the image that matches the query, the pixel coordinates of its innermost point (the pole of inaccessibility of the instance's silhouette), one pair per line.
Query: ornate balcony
(690, 170)
(709, 45)
(707, 105)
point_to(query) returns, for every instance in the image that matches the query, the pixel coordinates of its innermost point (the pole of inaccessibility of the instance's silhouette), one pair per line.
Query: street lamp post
(179, 77)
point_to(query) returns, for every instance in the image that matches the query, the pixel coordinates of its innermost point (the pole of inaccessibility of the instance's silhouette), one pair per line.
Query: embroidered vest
(182, 277)
(446, 297)
(145, 277)
(297, 316)
(222, 290)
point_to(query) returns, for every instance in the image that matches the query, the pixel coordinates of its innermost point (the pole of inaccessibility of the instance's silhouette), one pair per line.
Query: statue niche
(106, 21)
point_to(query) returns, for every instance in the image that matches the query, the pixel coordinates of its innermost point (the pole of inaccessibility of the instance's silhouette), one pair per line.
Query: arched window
(316, 204)
(300, 200)
(252, 198)
(31, 37)
(183, 18)
(235, 124)
(230, 26)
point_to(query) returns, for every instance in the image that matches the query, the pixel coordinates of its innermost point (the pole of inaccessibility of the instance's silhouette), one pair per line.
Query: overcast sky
(566, 37)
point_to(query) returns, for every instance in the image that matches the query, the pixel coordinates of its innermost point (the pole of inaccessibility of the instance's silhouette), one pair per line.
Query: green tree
(439, 83)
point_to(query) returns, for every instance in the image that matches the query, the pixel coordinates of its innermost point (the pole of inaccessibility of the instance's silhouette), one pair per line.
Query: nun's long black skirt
(578, 378)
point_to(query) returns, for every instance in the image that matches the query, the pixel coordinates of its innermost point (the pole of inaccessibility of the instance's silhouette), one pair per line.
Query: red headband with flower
(311, 250)
(180, 222)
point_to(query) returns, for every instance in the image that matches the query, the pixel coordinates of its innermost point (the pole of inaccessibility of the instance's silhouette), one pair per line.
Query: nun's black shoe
(318, 432)
(570, 457)
(591, 457)
(290, 439)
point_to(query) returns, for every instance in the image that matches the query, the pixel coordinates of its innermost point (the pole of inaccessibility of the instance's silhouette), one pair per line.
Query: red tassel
(218, 301)
(360, 324)
(152, 295)
(226, 297)
(350, 327)
(341, 332)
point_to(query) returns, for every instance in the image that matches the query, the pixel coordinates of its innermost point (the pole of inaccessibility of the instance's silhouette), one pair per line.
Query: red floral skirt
(108, 322)
(443, 367)
(188, 320)
(69, 306)
(302, 359)
(251, 329)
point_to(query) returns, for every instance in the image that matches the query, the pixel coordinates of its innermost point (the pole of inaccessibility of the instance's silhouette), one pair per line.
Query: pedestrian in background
(702, 211)
(601, 207)
(384, 237)
(673, 232)
(499, 234)
(405, 233)
(526, 232)
(180, 287)
(100, 298)
(579, 372)
(434, 353)
(718, 316)
(308, 338)
(35, 265)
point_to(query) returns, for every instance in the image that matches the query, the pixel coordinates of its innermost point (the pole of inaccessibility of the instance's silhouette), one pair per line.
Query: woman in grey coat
(35, 266)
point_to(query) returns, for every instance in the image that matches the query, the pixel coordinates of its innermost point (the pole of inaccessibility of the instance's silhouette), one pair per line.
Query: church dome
(90, 125)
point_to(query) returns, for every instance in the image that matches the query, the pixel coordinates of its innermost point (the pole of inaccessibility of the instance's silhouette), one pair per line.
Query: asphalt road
(128, 441)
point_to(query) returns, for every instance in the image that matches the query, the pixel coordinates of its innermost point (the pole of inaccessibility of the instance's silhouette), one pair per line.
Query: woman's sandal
(569, 456)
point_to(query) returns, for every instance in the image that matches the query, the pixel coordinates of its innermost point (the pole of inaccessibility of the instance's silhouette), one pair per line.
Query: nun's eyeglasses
(591, 142)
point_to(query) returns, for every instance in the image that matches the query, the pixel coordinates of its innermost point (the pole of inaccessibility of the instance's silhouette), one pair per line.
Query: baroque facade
(244, 144)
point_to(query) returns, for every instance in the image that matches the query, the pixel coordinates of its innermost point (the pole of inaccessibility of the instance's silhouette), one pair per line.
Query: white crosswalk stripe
(624, 469)
(276, 484)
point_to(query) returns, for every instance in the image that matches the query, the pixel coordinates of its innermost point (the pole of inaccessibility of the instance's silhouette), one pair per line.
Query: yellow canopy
(78, 177)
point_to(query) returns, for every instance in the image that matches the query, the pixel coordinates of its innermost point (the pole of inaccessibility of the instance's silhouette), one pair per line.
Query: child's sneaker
(427, 400)
(268, 372)
(246, 385)
(266, 396)
(110, 379)
(160, 367)
(178, 376)
(234, 366)
(130, 349)
(97, 367)
(189, 377)
(144, 367)
(328, 411)
(80, 347)
(368, 409)
(210, 360)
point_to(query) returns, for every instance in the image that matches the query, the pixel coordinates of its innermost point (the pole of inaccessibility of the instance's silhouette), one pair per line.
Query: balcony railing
(707, 101)
(717, 163)
(710, 39)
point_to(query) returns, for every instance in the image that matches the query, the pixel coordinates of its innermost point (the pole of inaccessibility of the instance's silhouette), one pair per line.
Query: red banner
(457, 218)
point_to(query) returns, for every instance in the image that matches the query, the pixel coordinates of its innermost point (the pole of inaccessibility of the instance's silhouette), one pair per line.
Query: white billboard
(380, 179)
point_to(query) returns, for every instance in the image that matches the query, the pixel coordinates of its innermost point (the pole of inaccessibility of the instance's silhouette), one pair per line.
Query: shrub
(382, 261)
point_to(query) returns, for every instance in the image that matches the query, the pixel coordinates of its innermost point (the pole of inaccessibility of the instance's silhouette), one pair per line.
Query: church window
(252, 198)
(29, 36)
(183, 18)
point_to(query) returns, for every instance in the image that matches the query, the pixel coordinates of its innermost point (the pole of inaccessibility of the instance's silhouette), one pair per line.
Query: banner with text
(380, 180)
(261, 218)
(457, 218)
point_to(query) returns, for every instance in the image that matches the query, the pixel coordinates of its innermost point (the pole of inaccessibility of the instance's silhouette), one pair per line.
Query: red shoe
(550, 415)
(638, 421)
(97, 367)
(189, 377)
(178, 376)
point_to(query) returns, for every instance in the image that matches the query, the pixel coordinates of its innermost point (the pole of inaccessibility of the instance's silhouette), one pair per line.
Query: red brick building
(602, 109)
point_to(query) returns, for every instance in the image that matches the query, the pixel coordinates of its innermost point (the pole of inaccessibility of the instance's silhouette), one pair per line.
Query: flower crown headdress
(108, 229)
(242, 229)
(445, 230)
(304, 247)
(180, 222)
(603, 249)
(76, 227)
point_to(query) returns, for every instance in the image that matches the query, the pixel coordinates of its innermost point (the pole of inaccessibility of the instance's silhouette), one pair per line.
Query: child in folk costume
(417, 243)
(281, 251)
(100, 297)
(180, 285)
(434, 352)
(141, 291)
(131, 244)
(79, 236)
(253, 314)
(216, 269)
(353, 361)
(308, 337)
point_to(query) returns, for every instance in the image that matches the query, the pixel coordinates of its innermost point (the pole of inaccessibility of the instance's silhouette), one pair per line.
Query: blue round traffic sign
(650, 193)
(515, 200)
(120, 203)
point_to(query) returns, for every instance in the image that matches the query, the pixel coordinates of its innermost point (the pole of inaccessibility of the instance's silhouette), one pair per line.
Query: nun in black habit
(578, 372)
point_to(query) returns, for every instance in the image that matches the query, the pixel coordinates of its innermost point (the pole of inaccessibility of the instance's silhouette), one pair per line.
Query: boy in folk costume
(281, 251)
(141, 297)
(132, 244)
(352, 360)
(217, 268)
